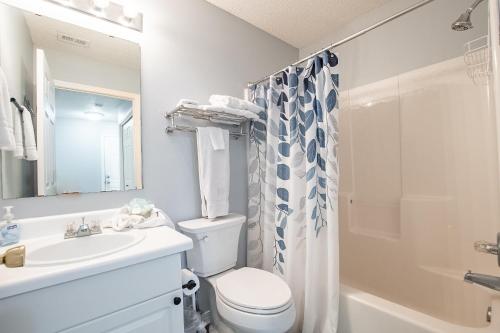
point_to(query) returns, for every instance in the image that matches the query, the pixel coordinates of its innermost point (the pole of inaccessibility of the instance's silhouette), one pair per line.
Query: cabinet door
(159, 315)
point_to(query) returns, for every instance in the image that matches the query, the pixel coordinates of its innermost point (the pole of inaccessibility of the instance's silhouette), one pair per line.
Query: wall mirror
(82, 89)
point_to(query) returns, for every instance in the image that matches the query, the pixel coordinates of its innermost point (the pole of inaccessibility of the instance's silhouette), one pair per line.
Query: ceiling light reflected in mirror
(94, 114)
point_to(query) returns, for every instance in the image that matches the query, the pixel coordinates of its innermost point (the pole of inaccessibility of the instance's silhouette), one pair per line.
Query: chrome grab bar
(485, 247)
(489, 248)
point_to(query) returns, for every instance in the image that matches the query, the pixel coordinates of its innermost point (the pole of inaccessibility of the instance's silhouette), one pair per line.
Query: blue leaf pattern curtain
(293, 188)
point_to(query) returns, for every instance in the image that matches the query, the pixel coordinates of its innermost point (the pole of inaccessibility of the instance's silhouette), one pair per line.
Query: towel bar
(19, 107)
(215, 117)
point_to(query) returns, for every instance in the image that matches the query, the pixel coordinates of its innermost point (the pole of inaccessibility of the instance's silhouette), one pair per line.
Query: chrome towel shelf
(185, 112)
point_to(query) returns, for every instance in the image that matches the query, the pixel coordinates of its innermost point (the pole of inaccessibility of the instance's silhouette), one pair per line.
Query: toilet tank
(215, 243)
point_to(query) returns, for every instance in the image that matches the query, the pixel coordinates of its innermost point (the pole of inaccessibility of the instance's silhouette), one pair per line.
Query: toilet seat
(243, 321)
(252, 310)
(254, 291)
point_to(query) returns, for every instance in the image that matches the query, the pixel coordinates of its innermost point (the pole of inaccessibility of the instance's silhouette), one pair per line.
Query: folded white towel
(18, 135)
(7, 139)
(213, 169)
(224, 109)
(187, 102)
(235, 103)
(30, 151)
(225, 122)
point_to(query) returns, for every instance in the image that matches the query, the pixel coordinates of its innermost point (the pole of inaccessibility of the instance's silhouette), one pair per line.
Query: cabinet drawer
(159, 315)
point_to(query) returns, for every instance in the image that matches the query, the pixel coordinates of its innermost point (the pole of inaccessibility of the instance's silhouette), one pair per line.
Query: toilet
(245, 300)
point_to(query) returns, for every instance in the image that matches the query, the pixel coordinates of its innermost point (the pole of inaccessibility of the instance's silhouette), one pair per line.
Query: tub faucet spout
(488, 281)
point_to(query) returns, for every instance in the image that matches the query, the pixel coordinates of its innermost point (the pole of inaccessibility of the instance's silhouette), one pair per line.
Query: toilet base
(219, 324)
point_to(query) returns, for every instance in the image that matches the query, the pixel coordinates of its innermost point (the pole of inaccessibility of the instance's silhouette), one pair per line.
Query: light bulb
(130, 12)
(65, 2)
(101, 4)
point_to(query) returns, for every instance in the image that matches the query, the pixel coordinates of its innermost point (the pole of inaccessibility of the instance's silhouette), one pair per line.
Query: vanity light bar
(126, 16)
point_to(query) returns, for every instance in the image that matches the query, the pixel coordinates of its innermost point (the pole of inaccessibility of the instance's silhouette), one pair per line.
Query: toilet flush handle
(203, 237)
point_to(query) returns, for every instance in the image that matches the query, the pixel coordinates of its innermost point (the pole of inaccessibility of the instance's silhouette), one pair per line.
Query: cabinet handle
(177, 300)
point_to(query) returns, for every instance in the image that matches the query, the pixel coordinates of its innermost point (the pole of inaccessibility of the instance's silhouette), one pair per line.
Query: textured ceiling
(298, 22)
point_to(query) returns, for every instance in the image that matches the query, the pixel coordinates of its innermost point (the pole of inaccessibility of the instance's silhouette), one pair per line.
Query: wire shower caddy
(477, 57)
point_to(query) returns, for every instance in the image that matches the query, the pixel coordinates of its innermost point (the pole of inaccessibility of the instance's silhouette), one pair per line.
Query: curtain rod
(348, 39)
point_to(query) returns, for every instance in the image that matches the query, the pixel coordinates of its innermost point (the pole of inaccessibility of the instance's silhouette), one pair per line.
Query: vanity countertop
(157, 242)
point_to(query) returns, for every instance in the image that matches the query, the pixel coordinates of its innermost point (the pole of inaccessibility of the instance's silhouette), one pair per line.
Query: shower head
(464, 22)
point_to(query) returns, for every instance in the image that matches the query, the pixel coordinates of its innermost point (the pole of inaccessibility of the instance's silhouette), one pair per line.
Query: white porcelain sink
(79, 249)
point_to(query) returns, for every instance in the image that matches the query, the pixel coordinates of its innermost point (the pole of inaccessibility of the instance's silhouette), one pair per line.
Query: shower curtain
(293, 188)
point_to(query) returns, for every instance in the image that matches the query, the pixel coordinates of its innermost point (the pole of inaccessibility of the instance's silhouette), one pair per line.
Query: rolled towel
(187, 102)
(226, 122)
(224, 109)
(235, 103)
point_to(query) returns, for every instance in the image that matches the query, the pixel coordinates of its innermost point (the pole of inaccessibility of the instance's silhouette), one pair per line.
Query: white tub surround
(361, 312)
(134, 281)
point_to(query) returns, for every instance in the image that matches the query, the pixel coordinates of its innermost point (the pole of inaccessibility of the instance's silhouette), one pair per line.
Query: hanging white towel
(30, 151)
(7, 140)
(18, 135)
(235, 103)
(217, 140)
(213, 169)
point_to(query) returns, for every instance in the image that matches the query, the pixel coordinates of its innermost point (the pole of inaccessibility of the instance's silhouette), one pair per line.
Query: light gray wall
(417, 39)
(16, 60)
(66, 66)
(191, 49)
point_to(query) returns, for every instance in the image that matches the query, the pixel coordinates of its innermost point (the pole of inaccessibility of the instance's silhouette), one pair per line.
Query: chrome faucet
(488, 281)
(83, 230)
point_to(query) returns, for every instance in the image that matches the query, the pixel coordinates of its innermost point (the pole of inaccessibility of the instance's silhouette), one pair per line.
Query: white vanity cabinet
(136, 289)
(142, 298)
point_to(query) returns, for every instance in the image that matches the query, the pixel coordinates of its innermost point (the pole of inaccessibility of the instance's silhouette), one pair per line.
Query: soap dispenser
(9, 232)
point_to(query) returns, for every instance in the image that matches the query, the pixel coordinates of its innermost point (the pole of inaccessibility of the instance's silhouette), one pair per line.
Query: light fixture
(95, 113)
(100, 7)
(65, 2)
(130, 12)
(124, 15)
(101, 4)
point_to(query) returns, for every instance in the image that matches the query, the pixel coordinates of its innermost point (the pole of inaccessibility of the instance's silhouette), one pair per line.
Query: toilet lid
(252, 288)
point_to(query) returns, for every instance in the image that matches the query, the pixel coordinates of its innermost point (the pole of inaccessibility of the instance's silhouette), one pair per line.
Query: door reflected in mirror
(95, 141)
(83, 88)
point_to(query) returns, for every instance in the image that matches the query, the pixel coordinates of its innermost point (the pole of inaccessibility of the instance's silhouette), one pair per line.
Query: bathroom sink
(79, 249)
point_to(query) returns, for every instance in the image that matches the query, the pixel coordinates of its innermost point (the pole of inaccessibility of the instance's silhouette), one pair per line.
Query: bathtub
(361, 312)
